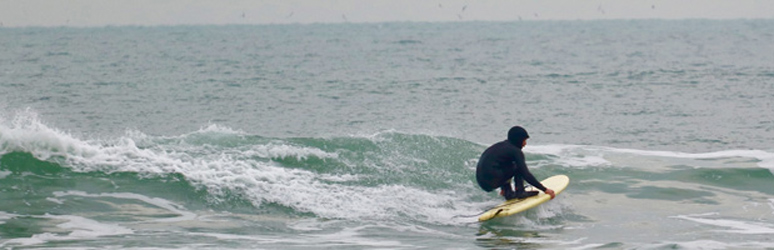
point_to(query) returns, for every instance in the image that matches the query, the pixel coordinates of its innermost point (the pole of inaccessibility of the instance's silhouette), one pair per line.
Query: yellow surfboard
(557, 182)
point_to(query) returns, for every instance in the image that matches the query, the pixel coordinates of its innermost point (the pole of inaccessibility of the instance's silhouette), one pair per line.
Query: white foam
(5, 216)
(580, 155)
(162, 203)
(583, 247)
(26, 133)
(571, 155)
(4, 174)
(765, 159)
(764, 156)
(57, 201)
(80, 228)
(34, 240)
(352, 236)
(83, 228)
(262, 181)
(710, 244)
(209, 129)
(224, 171)
(262, 239)
(339, 178)
(281, 150)
(738, 227)
(215, 128)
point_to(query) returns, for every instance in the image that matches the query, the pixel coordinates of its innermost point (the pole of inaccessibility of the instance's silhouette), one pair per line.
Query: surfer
(505, 160)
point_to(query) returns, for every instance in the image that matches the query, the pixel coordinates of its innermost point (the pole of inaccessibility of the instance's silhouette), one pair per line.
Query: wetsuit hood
(516, 136)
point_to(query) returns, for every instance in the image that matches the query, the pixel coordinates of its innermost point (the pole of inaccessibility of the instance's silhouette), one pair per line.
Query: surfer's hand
(550, 192)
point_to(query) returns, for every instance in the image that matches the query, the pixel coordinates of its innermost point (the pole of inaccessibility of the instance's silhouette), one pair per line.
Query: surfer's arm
(521, 168)
(532, 180)
(529, 178)
(535, 183)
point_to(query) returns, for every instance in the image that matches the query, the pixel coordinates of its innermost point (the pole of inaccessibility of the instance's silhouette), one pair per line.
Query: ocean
(366, 136)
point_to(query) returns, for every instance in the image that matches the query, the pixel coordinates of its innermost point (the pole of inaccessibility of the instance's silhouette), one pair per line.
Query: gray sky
(15, 13)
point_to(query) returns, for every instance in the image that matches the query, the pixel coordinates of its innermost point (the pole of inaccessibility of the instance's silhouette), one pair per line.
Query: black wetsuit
(499, 163)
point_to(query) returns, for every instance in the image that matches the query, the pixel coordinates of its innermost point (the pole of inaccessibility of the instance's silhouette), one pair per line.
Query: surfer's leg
(509, 194)
(506, 190)
(520, 193)
(519, 183)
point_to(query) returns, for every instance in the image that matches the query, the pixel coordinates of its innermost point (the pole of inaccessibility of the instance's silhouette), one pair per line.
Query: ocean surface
(366, 136)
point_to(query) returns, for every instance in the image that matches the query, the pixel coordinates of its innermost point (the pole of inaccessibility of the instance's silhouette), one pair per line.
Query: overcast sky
(15, 13)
